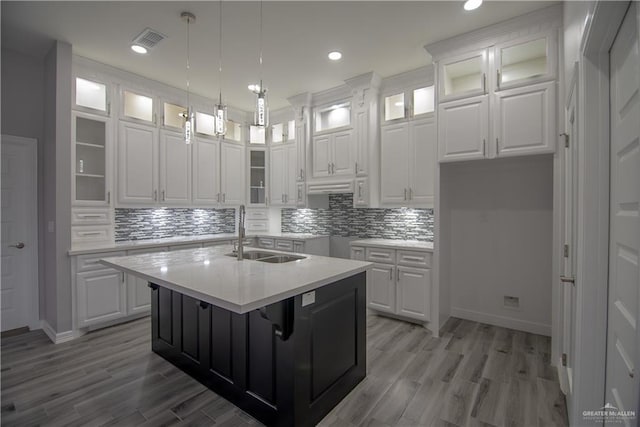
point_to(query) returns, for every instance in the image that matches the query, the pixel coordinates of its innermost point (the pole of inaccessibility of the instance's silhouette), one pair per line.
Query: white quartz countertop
(177, 240)
(414, 245)
(207, 274)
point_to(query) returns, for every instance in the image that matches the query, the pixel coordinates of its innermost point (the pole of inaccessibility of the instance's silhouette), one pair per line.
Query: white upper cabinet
(92, 145)
(232, 177)
(409, 104)
(332, 154)
(175, 169)
(205, 124)
(206, 171)
(282, 176)
(526, 60)
(137, 164)
(91, 95)
(408, 160)
(463, 129)
(257, 176)
(463, 76)
(137, 106)
(257, 135)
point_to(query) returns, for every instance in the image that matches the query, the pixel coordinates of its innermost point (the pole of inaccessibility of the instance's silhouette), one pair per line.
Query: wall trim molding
(58, 337)
(502, 321)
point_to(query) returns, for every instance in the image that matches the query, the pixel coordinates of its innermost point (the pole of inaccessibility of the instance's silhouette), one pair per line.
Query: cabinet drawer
(357, 253)
(253, 225)
(247, 241)
(90, 216)
(414, 258)
(284, 245)
(257, 215)
(90, 262)
(91, 234)
(266, 243)
(381, 255)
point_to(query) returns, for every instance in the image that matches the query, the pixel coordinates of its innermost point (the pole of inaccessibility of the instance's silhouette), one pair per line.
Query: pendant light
(188, 17)
(261, 115)
(220, 109)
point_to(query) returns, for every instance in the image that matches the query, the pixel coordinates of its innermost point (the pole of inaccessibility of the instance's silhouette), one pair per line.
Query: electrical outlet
(512, 302)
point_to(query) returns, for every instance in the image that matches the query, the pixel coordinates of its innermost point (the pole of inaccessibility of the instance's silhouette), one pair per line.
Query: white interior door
(623, 342)
(19, 284)
(568, 262)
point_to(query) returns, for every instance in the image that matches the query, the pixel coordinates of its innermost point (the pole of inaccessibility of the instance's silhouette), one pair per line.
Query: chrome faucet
(241, 232)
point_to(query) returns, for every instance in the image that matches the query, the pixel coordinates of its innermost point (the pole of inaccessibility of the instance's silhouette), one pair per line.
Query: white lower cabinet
(395, 285)
(101, 296)
(138, 292)
(381, 292)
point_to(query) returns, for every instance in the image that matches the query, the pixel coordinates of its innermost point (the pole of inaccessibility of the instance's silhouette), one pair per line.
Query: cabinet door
(138, 292)
(92, 145)
(298, 247)
(175, 169)
(382, 292)
(463, 76)
(232, 161)
(422, 162)
(362, 142)
(414, 293)
(342, 154)
(525, 120)
(290, 185)
(463, 129)
(321, 156)
(394, 142)
(277, 173)
(101, 297)
(137, 164)
(206, 172)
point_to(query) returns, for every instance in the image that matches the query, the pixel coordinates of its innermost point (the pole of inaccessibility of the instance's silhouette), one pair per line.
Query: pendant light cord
(260, 45)
(220, 53)
(188, 68)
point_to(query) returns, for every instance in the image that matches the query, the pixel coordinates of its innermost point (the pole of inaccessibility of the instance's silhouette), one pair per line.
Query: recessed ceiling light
(335, 55)
(138, 49)
(472, 4)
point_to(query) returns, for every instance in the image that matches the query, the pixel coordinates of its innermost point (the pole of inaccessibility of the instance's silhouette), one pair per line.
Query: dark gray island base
(285, 364)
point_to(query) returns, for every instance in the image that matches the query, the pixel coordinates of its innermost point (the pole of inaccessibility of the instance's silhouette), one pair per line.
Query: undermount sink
(270, 257)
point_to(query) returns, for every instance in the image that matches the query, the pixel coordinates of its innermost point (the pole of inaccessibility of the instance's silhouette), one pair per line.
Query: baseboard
(59, 337)
(505, 322)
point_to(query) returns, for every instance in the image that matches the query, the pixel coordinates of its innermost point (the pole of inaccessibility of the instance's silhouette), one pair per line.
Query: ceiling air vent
(148, 38)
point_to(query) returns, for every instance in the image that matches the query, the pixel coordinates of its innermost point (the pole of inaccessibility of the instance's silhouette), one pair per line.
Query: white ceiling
(383, 36)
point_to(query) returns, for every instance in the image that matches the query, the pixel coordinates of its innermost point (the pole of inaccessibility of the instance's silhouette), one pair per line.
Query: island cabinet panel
(286, 364)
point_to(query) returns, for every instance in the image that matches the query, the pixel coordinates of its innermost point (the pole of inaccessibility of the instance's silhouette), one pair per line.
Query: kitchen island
(284, 341)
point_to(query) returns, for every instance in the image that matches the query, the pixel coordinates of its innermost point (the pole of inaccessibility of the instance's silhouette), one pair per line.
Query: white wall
(499, 233)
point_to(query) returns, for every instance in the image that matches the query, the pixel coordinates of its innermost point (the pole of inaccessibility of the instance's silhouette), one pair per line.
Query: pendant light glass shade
(189, 125)
(220, 109)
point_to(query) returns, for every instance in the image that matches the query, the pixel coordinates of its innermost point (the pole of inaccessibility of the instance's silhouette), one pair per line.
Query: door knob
(18, 245)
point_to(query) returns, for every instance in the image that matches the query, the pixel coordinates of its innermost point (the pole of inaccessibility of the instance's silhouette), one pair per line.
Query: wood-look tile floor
(474, 375)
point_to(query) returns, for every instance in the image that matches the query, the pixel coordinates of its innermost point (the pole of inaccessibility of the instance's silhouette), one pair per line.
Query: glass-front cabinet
(173, 115)
(91, 136)
(463, 76)
(409, 104)
(91, 95)
(137, 107)
(257, 176)
(526, 60)
(333, 117)
(283, 132)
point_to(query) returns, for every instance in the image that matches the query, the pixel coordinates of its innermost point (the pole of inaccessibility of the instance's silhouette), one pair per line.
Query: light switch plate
(308, 298)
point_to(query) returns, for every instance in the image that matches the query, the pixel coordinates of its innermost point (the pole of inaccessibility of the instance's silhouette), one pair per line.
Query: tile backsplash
(155, 223)
(342, 219)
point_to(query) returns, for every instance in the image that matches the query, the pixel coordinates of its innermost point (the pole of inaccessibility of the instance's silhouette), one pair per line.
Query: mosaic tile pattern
(342, 219)
(152, 223)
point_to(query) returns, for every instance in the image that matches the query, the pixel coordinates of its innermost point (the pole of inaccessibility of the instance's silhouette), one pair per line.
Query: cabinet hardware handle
(356, 167)
(203, 305)
(108, 197)
(631, 373)
(155, 118)
(108, 108)
(163, 196)
(333, 168)
(484, 143)
(224, 197)
(391, 273)
(301, 174)
(497, 143)
(405, 194)
(89, 233)
(153, 286)
(328, 168)
(412, 258)
(410, 193)
(155, 195)
(18, 245)
(484, 82)
(397, 274)
(360, 190)
(218, 197)
(565, 279)
(122, 277)
(498, 79)
(90, 216)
